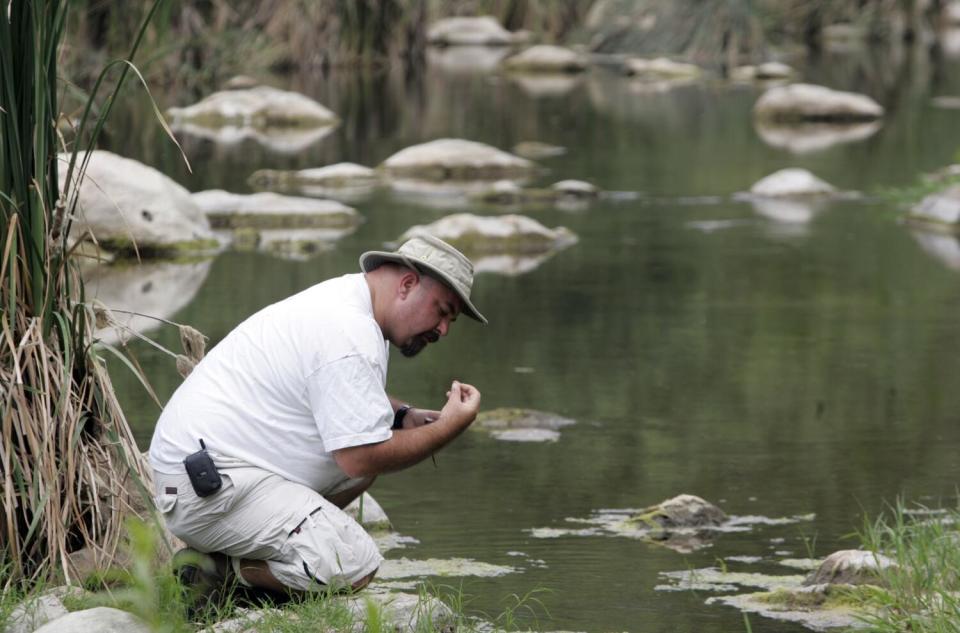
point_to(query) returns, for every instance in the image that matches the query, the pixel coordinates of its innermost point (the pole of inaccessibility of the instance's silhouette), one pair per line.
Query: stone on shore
(807, 102)
(99, 619)
(272, 211)
(850, 567)
(259, 107)
(481, 30)
(938, 211)
(456, 159)
(791, 183)
(476, 234)
(545, 58)
(661, 68)
(132, 209)
(682, 511)
(35, 612)
(404, 612)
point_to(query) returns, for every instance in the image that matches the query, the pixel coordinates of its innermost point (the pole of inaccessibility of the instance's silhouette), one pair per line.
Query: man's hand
(463, 403)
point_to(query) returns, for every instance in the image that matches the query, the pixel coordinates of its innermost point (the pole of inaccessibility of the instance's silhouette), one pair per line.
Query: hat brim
(373, 259)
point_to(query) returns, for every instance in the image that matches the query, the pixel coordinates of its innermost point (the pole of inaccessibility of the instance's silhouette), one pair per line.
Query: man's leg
(257, 573)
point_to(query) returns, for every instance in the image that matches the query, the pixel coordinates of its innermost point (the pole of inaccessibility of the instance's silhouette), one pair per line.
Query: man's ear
(408, 282)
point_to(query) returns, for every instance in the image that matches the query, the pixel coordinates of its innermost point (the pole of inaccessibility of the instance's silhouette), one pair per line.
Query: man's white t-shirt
(297, 380)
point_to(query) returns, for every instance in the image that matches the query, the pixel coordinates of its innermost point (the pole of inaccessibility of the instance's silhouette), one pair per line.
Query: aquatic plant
(922, 590)
(68, 462)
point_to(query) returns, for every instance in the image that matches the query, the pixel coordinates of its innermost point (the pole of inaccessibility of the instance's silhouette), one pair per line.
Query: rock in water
(807, 102)
(791, 183)
(850, 567)
(682, 511)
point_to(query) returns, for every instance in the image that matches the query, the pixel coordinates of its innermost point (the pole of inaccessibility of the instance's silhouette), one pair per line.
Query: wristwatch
(399, 415)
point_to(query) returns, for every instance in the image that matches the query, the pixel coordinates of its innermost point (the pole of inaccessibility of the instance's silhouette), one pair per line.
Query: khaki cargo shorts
(308, 542)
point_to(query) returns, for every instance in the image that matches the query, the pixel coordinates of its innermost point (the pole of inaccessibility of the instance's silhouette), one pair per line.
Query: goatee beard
(418, 342)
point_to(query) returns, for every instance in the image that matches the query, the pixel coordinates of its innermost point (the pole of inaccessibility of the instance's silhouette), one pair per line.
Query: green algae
(126, 248)
(392, 569)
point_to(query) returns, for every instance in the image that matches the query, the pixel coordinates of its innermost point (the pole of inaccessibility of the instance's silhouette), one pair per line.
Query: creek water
(775, 363)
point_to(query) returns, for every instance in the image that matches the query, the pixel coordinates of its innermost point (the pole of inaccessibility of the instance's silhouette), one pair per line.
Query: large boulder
(272, 211)
(131, 208)
(456, 159)
(545, 58)
(850, 567)
(35, 612)
(476, 234)
(260, 107)
(481, 30)
(791, 183)
(807, 102)
(938, 211)
(682, 511)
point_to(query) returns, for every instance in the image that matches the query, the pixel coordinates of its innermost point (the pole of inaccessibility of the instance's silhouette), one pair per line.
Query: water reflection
(813, 137)
(140, 294)
(943, 247)
(283, 140)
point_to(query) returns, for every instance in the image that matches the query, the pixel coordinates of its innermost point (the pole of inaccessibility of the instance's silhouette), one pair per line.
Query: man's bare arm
(410, 446)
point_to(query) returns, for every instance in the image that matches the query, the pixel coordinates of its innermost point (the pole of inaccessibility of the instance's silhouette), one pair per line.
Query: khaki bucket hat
(432, 255)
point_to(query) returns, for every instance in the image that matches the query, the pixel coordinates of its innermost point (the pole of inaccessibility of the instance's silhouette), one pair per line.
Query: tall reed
(68, 462)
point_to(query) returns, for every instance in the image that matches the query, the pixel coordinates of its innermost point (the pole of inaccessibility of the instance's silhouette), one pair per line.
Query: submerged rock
(791, 183)
(456, 159)
(259, 107)
(272, 211)
(494, 234)
(481, 30)
(807, 102)
(535, 150)
(661, 68)
(342, 181)
(850, 567)
(938, 211)
(575, 189)
(682, 511)
(544, 58)
(521, 425)
(134, 210)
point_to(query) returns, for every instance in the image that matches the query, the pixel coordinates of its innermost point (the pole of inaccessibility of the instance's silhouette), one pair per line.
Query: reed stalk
(69, 468)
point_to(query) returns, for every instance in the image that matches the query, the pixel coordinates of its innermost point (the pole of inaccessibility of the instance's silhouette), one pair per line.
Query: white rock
(259, 107)
(942, 207)
(246, 620)
(35, 612)
(407, 613)
(272, 210)
(122, 200)
(340, 174)
(662, 68)
(466, 60)
(547, 58)
(791, 183)
(807, 102)
(575, 188)
(773, 70)
(502, 233)
(483, 30)
(456, 159)
(99, 619)
(850, 567)
(374, 516)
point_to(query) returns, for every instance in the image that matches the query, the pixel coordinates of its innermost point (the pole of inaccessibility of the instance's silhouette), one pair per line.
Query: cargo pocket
(165, 502)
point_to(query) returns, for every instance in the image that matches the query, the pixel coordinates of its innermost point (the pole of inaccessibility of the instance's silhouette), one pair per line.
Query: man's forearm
(404, 449)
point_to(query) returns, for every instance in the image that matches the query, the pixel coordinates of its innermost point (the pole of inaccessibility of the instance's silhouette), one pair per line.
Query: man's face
(427, 313)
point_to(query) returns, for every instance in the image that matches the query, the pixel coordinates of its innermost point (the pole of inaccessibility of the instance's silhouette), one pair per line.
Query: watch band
(399, 415)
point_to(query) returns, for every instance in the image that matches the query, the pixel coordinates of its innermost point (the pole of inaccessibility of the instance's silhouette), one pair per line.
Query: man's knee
(366, 580)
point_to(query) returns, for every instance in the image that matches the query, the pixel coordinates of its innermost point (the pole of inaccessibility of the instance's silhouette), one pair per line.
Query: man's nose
(443, 327)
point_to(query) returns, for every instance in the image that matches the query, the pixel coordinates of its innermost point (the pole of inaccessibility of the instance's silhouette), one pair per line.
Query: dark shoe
(207, 578)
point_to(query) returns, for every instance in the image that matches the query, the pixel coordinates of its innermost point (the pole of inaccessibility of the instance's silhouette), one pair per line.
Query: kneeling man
(287, 420)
